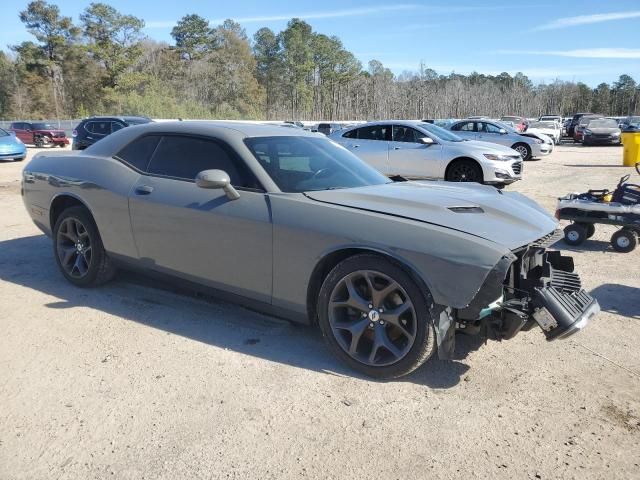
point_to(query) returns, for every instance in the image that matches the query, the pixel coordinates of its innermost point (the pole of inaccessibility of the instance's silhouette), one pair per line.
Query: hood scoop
(467, 209)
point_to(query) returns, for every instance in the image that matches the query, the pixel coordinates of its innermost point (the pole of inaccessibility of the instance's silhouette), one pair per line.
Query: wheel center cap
(79, 247)
(374, 316)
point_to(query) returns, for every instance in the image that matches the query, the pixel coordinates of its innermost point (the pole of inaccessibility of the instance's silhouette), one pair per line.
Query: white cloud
(588, 19)
(351, 12)
(581, 53)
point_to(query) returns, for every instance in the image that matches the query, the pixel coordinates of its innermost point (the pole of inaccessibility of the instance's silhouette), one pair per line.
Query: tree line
(106, 65)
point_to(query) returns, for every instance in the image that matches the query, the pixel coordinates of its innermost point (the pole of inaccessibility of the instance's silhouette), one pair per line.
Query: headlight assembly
(493, 156)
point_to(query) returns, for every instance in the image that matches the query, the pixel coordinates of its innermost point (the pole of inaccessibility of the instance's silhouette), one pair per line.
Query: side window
(138, 152)
(375, 132)
(464, 127)
(406, 134)
(115, 126)
(351, 134)
(99, 128)
(489, 128)
(185, 157)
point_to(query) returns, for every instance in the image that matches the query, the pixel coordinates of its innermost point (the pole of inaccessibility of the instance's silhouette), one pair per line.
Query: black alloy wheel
(464, 171)
(78, 249)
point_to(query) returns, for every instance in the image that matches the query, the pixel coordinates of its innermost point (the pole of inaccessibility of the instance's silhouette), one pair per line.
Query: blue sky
(586, 40)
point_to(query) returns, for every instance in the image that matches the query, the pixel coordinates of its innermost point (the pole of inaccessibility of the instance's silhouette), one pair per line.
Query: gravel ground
(134, 380)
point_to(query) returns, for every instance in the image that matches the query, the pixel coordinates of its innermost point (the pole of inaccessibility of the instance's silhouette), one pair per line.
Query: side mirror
(215, 179)
(427, 141)
(502, 131)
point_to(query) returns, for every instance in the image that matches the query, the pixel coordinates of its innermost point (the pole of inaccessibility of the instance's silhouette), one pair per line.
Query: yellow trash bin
(631, 149)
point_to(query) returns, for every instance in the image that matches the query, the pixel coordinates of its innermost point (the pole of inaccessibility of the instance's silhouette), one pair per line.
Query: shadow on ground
(29, 262)
(619, 299)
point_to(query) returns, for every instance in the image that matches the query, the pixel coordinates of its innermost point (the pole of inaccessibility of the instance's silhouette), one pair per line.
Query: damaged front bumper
(535, 286)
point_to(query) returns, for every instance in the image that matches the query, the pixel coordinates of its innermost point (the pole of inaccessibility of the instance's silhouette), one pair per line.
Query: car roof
(225, 131)
(116, 117)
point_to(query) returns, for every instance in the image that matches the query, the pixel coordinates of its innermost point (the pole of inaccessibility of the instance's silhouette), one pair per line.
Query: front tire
(575, 234)
(464, 171)
(78, 249)
(523, 149)
(375, 318)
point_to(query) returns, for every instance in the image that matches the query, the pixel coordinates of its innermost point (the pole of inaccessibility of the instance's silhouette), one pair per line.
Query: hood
(539, 136)
(603, 130)
(508, 218)
(544, 131)
(488, 147)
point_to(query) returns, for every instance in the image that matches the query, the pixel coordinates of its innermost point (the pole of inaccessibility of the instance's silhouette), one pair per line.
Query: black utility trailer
(620, 208)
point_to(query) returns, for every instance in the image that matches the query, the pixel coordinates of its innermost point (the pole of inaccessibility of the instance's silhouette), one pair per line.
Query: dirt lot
(132, 380)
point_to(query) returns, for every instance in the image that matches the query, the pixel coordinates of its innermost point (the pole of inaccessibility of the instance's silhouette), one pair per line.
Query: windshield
(301, 164)
(587, 121)
(440, 132)
(507, 127)
(603, 123)
(43, 126)
(3, 133)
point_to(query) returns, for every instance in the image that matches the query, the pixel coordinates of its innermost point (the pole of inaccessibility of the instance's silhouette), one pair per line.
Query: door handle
(143, 190)
(397, 148)
(355, 146)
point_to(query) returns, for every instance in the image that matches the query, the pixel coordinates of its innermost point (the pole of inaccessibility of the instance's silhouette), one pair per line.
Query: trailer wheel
(624, 240)
(575, 234)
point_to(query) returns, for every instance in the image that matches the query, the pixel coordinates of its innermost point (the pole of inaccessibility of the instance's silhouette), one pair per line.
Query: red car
(519, 123)
(39, 134)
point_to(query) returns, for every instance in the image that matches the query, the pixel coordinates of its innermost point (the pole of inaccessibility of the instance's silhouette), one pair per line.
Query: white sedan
(420, 150)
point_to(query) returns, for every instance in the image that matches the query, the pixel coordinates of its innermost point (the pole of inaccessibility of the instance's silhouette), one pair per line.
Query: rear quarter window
(139, 152)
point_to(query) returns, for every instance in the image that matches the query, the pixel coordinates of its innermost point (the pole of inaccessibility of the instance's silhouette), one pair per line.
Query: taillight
(74, 133)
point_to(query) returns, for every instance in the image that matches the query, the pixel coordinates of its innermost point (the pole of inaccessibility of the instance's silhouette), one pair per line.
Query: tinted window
(406, 134)
(299, 164)
(375, 132)
(115, 126)
(351, 134)
(463, 127)
(185, 157)
(138, 152)
(43, 126)
(99, 128)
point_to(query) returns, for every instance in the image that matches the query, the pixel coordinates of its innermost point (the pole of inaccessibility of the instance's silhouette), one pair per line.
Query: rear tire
(575, 234)
(78, 249)
(375, 318)
(523, 149)
(624, 240)
(464, 171)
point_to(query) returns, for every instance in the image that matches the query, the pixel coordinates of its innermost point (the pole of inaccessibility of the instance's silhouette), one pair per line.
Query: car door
(371, 144)
(200, 234)
(411, 158)
(490, 132)
(466, 129)
(23, 132)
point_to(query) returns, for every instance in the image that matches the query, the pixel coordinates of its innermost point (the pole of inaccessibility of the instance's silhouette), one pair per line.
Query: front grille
(566, 282)
(517, 168)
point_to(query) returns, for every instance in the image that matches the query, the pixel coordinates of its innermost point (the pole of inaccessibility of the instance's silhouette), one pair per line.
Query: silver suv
(527, 145)
(419, 150)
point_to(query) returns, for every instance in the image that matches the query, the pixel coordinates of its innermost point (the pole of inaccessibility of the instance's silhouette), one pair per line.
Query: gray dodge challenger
(291, 224)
